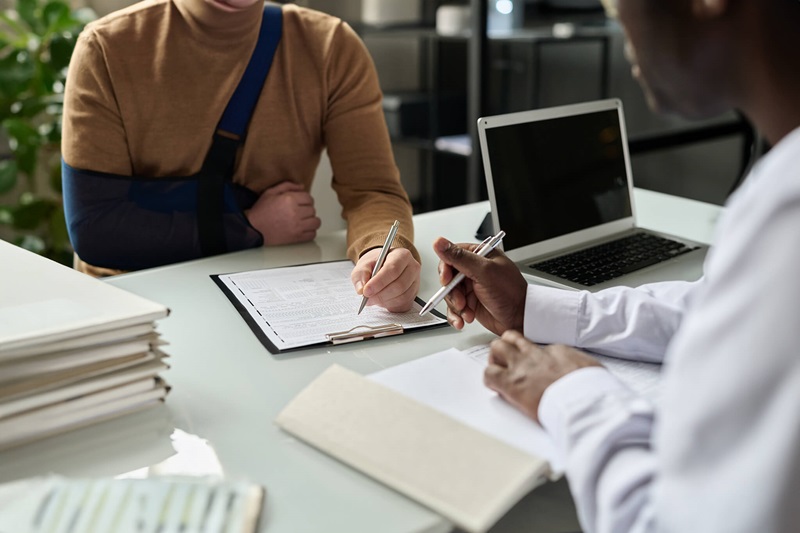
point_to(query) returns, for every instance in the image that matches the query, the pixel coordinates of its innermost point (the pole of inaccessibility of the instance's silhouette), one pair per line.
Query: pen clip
(483, 243)
(493, 243)
(359, 333)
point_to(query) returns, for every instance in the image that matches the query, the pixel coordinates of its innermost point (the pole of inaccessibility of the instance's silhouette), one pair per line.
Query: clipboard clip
(359, 333)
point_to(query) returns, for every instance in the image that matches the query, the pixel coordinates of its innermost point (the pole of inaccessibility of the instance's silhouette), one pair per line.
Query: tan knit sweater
(147, 86)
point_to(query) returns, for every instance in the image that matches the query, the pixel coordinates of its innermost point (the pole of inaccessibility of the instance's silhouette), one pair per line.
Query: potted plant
(36, 43)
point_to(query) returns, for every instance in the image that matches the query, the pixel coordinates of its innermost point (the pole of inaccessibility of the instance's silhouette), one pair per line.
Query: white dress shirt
(721, 450)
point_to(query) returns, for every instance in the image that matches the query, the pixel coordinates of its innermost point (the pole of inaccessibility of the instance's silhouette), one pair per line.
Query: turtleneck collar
(209, 22)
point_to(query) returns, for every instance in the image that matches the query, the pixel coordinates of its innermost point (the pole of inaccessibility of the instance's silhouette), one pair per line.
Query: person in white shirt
(720, 452)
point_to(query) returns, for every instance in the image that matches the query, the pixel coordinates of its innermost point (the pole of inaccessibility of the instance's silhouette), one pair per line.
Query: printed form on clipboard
(301, 306)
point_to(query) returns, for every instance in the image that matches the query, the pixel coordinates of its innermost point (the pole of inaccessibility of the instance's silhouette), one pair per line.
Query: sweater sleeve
(93, 131)
(365, 176)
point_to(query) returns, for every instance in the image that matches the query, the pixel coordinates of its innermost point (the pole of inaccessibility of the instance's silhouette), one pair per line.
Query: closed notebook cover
(463, 474)
(42, 301)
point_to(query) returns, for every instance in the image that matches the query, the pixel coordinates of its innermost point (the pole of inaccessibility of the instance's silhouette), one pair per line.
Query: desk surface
(227, 389)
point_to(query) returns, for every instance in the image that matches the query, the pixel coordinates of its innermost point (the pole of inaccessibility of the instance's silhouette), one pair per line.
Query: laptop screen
(556, 176)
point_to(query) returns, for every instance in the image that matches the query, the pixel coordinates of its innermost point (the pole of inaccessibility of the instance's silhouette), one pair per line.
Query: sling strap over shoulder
(219, 164)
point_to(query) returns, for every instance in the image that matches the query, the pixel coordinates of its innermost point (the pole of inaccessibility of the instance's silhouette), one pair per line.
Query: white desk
(227, 389)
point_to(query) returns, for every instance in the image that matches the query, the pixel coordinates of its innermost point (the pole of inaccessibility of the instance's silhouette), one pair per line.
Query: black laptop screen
(557, 176)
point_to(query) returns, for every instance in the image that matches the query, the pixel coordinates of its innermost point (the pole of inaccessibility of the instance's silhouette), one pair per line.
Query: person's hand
(395, 285)
(493, 291)
(284, 214)
(520, 370)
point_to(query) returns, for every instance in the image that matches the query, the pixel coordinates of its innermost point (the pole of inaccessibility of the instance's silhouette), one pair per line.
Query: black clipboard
(358, 333)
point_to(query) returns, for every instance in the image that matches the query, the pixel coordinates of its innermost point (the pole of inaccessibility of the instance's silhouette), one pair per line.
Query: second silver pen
(483, 251)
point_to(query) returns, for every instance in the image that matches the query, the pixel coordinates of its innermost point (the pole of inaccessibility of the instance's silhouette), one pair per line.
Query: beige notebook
(463, 474)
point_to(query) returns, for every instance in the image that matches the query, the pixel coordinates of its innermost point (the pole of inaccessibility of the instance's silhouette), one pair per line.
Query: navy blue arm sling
(166, 220)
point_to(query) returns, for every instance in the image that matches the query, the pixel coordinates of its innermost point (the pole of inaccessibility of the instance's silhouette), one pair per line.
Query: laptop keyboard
(612, 259)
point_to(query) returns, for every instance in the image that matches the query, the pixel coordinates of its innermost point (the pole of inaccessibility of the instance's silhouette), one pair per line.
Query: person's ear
(706, 9)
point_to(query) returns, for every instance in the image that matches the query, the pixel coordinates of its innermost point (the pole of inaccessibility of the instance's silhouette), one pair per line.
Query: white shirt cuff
(551, 315)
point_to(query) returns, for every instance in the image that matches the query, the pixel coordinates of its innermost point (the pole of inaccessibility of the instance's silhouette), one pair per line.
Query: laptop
(559, 184)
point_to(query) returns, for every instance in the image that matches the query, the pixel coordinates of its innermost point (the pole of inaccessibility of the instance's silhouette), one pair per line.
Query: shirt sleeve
(718, 452)
(603, 430)
(632, 323)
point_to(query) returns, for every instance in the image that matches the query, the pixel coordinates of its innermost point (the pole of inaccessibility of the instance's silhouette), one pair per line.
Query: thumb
(458, 256)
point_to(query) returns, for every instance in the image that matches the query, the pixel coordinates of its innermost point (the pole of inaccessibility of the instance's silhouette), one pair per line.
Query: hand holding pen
(387, 245)
(490, 289)
(483, 249)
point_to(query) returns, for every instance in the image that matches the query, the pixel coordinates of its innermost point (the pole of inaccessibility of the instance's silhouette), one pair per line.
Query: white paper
(299, 305)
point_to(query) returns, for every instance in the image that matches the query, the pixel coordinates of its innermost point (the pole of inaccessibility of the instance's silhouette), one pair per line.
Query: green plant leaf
(25, 143)
(61, 48)
(8, 175)
(55, 177)
(11, 20)
(21, 130)
(37, 40)
(16, 73)
(57, 17)
(32, 106)
(27, 12)
(6, 215)
(54, 137)
(31, 215)
(58, 229)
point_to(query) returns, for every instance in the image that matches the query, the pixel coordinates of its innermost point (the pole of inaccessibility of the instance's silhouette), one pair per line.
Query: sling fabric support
(135, 222)
(159, 215)
(240, 108)
(219, 164)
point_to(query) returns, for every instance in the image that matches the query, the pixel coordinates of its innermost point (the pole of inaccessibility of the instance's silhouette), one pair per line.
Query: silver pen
(381, 258)
(483, 249)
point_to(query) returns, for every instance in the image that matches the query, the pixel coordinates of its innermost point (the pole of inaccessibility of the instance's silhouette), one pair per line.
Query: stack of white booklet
(430, 429)
(74, 350)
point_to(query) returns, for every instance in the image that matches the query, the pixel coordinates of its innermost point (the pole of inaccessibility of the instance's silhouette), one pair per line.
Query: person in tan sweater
(147, 86)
